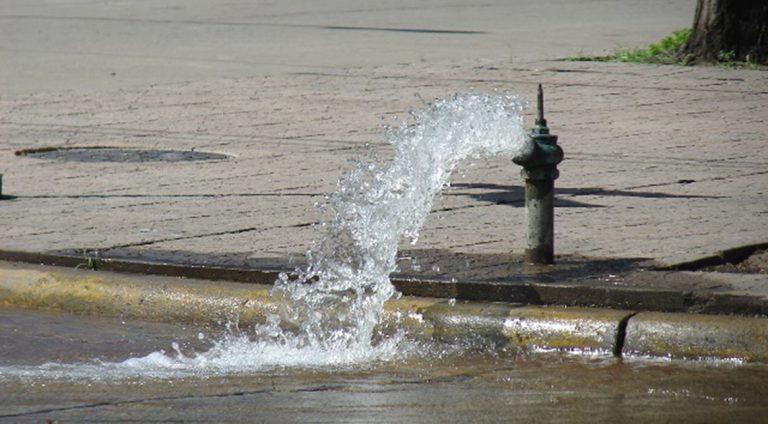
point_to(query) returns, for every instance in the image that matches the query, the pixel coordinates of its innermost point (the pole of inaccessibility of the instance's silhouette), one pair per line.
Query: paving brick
(662, 162)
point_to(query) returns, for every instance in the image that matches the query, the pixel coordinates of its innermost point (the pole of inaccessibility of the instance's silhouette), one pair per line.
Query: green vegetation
(727, 59)
(665, 52)
(89, 262)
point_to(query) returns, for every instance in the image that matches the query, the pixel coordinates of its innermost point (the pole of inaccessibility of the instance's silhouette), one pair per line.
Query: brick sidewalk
(662, 162)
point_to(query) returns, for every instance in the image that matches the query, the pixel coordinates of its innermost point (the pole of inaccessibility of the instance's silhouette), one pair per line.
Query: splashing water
(330, 313)
(376, 205)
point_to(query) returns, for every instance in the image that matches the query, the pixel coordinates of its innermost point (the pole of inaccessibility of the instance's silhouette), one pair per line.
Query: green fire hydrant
(539, 157)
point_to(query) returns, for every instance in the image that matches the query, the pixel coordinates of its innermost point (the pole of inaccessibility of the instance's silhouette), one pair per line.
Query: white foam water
(339, 298)
(331, 312)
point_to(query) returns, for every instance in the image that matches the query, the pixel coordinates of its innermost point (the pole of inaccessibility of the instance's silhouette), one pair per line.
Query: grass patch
(668, 51)
(665, 52)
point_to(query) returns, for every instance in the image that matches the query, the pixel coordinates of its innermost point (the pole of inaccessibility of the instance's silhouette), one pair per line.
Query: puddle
(471, 386)
(118, 154)
(47, 346)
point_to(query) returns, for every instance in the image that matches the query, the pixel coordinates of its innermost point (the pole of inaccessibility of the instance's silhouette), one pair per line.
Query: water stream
(376, 205)
(331, 312)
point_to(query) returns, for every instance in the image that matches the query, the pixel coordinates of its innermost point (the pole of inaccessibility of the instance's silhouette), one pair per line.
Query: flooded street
(460, 387)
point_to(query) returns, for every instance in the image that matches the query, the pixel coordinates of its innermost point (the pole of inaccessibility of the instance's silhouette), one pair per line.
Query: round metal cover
(119, 154)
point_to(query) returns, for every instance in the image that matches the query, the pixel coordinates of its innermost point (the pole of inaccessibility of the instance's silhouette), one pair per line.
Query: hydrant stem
(539, 204)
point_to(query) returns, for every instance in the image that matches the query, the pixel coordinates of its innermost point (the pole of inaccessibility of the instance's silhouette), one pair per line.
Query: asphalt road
(105, 44)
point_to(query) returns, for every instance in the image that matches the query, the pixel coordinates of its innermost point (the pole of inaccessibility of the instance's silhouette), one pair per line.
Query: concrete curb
(649, 290)
(697, 336)
(204, 302)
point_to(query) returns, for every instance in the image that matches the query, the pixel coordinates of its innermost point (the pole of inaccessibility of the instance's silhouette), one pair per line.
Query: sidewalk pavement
(664, 165)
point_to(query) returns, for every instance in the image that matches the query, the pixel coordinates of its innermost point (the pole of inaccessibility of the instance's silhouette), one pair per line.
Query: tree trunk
(729, 30)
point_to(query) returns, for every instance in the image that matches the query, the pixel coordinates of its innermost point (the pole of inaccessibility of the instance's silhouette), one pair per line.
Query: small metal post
(539, 158)
(540, 214)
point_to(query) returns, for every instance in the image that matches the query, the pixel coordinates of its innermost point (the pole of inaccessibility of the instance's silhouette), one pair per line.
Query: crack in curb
(621, 335)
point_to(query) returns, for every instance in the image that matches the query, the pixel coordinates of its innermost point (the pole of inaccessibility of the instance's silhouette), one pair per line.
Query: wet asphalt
(467, 386)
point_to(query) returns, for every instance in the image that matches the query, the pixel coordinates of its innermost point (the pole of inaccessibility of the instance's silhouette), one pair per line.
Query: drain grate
(119, 154)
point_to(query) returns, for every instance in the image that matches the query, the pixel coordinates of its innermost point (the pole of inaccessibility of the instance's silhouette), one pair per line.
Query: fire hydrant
(539, 157)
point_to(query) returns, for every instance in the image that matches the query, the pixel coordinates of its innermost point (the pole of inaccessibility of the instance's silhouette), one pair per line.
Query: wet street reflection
(466, 386)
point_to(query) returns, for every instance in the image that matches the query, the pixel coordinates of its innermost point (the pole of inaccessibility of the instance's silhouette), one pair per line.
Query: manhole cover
(118, 154)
